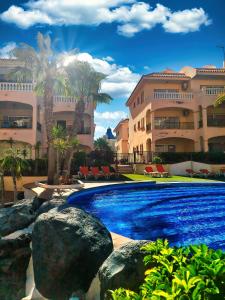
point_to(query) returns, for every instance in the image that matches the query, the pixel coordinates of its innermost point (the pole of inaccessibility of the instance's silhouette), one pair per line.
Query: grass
(138, 177)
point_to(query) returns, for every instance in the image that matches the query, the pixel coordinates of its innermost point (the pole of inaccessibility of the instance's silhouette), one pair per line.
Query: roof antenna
(223, 49)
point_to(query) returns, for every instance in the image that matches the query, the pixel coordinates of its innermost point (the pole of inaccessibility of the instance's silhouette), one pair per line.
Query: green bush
(157, 160)
(193, 272)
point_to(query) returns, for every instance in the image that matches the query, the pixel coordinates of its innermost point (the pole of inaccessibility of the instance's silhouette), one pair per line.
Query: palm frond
(220, 100)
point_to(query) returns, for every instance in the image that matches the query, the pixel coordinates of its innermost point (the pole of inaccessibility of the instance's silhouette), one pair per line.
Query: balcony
(20, 123)
(216, 122)
(213, 91)
(175, 125)
(173, 96)
(148, 127)
(15, 86)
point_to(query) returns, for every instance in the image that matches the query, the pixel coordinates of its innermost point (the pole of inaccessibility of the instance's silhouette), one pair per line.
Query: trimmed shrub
(185, 273)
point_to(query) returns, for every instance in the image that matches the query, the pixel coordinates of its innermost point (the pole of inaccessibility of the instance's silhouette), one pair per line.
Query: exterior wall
(8, 183)
(187, 105)
(122, 137)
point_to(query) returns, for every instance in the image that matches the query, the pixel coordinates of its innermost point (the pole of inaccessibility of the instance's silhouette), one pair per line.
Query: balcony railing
(173, 96)
(15, 86)
(216, 122)
(17, 124)
(175, 125)
(213, 91)
(62, 99)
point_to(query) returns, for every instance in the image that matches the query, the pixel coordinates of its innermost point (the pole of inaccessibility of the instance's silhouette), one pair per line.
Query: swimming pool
(183, 213)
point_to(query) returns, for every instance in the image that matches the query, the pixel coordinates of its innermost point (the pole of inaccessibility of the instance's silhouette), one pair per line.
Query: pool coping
(127, 184)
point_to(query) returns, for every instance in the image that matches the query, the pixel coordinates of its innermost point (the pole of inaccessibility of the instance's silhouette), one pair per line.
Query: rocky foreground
(69, 248)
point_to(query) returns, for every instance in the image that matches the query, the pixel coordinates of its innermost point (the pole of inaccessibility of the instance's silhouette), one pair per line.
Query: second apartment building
(174, 111)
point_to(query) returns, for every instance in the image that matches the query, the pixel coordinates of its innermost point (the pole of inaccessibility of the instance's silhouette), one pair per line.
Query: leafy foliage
(157, 160)
(185, 273)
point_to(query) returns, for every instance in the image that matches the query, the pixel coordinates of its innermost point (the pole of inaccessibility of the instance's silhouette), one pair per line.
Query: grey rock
(48, 205)
(123, 268)
(14, 259)
(68, 247)
(16, 217)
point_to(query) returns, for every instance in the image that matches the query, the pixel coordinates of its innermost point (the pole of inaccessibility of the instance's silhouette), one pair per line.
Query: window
(142, 97)
(134, 105)
(139, 125)
(135, 129)
(138, 100)
(166, 122)
(143, 123)
(141, 149)
(165, 148)
(61, 123)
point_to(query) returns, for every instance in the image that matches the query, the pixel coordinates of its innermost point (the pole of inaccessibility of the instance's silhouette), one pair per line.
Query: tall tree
(85, 85)
(42, 69)
(15, 165)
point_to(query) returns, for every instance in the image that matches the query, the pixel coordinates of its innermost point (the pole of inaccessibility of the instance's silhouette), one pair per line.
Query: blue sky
(121, 38)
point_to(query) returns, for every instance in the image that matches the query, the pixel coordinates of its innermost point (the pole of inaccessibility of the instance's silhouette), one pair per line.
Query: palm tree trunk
(2, 189)
(49, 122)
(14, 189)
(51, 164)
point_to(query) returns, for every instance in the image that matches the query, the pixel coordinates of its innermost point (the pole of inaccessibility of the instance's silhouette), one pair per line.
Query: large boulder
(50, 204)
(16, 217)
(69, 246)
(14, 259)
(123, 268)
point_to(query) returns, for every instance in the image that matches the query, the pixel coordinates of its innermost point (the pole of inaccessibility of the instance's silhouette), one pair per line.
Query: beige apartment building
(122, 136)
(22, 120)
(174, 112)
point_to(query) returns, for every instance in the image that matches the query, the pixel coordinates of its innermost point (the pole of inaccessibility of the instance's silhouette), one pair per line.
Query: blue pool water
(183, 213)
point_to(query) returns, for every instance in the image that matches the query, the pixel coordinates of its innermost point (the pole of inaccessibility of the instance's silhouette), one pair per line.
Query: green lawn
(138, 177)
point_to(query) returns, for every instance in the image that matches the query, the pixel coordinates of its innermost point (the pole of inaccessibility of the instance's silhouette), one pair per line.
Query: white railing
(213, 91)
(63, 99)
(173, 96)
(15, 86)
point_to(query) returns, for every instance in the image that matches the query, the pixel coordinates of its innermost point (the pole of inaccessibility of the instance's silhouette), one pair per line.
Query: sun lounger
(222, 172)
(191, 172)
(206, 173)
(162, 171)
(96, 172)
(84, 172)
(107, 172)
(149, 171)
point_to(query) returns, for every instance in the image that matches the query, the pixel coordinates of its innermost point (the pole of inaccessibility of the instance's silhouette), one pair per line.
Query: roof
(120, 123)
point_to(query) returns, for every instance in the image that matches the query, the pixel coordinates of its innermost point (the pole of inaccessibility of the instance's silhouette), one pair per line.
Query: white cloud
(108, 58)
(110, 115)
(131, 16)
(99, 131)
(5, 50)
(186, 21)
(120, 80)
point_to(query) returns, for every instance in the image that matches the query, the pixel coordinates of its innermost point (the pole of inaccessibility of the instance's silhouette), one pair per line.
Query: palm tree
(41, 67)
(62, 142)
(15, 165)
(85, 85)
(1, 185)
(220, 100)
